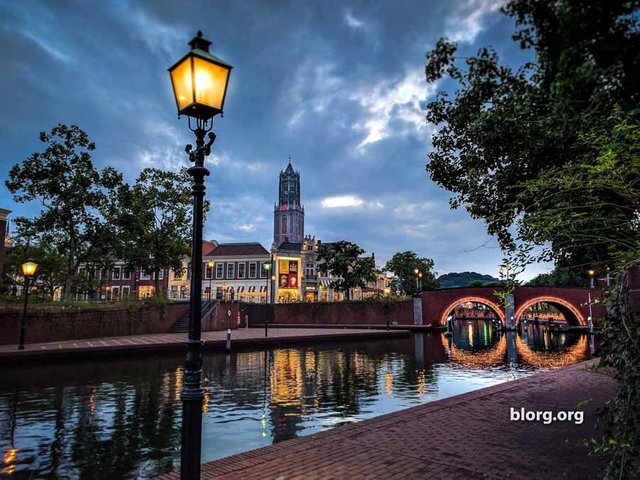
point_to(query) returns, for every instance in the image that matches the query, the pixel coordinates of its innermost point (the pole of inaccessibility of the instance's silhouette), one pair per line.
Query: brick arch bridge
(571, 302)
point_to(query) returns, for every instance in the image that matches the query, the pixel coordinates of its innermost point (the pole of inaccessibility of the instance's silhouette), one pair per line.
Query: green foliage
(404, 264)
(50, 272)
(155, 221)
(343, 261)
(559, 277)
(465, 279)
(505, 126)
(72, 195)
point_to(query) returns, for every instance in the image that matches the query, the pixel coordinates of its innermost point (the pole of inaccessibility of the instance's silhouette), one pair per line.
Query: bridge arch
(570, 312)
(495, 308)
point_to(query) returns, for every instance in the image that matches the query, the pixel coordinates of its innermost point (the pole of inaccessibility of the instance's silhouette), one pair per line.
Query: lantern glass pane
(182, 83)
(211, 82)
(29, 268)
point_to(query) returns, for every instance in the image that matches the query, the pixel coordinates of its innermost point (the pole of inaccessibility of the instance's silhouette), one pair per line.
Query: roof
(291, 246)
(238, 249)
(208, 247)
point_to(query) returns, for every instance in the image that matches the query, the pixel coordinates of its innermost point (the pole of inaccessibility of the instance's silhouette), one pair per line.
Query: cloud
(342, 201)
(393, 107)
(352, 21)
(246, 227)
(467, 20)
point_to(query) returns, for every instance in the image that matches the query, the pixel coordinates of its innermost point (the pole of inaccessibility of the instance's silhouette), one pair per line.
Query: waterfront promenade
(468, 436)
(163, 342)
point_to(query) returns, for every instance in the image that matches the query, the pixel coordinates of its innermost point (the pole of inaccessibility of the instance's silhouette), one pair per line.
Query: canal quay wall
(55, 326)
(348, 314)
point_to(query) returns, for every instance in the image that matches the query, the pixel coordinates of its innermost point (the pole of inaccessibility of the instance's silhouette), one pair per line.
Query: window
(208, 271)
(252, 270)
(81, 271)
(241, 269)
(263, 272)
(161, 274)
(309, 270)
(189, 271)
(284, 224)
(231, 269)
(116, 273)
(178, 275)
(144, 275)
(219, 270)
(115, 292)
(126, 274)
(126, 291)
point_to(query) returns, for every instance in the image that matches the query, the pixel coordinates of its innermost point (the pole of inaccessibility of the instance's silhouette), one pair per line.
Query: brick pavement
(468, 436)
(242, 337)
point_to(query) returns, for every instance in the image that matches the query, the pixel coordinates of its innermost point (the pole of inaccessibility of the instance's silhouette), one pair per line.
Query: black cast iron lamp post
(28, 270)
(199, 83)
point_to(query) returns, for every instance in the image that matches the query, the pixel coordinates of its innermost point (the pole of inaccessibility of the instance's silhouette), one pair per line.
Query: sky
(337, 85)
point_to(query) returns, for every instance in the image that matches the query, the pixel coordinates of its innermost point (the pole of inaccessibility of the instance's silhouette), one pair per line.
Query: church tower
(288, 214)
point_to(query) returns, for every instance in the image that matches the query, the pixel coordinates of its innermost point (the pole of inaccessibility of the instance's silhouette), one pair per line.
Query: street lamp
(420, 283)
(416, 271)
(210, 264)
(28, 270)
(591, 274)
(199, 82)
(267, 267)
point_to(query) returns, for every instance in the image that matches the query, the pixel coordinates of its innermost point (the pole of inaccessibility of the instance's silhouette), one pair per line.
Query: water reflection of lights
(178, 384)
(422, 384)
(388, 382)
(552, 359)
(205, 400)
(485, 358)
(286, 379)
(8, 461)
(92, 401)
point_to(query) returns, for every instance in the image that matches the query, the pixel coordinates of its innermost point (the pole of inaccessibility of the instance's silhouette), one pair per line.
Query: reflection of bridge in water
(479, 344)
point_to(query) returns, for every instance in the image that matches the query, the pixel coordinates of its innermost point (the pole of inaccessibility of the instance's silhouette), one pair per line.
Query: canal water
(120, 418)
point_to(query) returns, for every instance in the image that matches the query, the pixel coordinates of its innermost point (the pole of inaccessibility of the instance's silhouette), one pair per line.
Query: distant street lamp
(266, 267)
(28, 270)
(420, 282)
(591, 274)
(199, 83)
(387, 293)
(416, 271)
(210, 264)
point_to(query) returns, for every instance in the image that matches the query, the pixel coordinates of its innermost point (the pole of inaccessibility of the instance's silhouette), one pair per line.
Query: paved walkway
(244, 337)
(468, 436)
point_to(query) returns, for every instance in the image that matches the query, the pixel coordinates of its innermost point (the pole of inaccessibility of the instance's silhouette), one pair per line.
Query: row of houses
(236, 271)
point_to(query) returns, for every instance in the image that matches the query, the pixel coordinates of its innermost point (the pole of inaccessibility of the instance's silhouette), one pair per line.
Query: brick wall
(219, 319)
(339, 313)
(51, 327)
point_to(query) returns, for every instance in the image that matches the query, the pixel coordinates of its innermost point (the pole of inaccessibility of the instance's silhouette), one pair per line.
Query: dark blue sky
(338, 85)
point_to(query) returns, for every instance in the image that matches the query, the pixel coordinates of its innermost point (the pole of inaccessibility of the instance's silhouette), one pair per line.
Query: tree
(156, 221)
(343, 261)
(51, 266)
(72, 194)
(548, 156)
(404, 264)
(558, 277)
(504, 127)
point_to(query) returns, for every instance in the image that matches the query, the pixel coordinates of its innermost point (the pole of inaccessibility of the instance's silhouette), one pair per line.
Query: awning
(240, 289)
(263, 289)
(325, 282)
